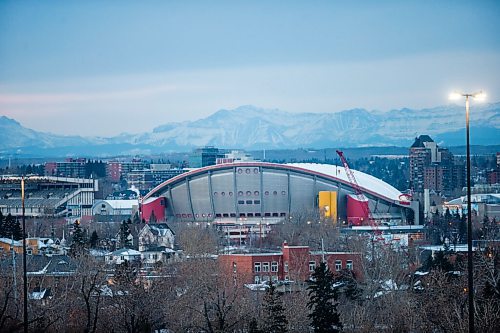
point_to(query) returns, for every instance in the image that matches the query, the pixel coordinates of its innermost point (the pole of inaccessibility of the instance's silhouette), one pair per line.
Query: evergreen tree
(17, 231)
(136, 219)
(125, 239)
(275, 318)
(10, 227)
(1, 224)
(94, 239)
(323, 302)
(78, 241)
(462, 228)
(152, 217)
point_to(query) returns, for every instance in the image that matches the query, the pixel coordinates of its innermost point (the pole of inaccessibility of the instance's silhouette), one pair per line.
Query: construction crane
(359, 194)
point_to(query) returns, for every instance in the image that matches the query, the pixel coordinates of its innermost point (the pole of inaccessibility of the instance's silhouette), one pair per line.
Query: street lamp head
(478, 96)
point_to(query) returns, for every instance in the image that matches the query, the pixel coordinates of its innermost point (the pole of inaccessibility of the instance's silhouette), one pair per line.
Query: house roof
(125, 252)
(159, 229)
(56, 265)
(159, 249)
(121, 204)
(10, 241)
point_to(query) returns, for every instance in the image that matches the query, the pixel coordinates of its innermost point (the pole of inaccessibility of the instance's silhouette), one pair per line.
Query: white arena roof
(364, 180)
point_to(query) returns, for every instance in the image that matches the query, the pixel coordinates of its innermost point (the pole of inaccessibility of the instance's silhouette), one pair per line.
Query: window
(249, 202)
(349, 265)
(286, 266)
(249, 193)
(122, 257)
(338, 265)
(241, 202)
(256, 267)
(274, 266)
(265, 267)
(256, 279)
(256, 193)
(265, 278)
(274, 278)
(256, 202)
(312, 266)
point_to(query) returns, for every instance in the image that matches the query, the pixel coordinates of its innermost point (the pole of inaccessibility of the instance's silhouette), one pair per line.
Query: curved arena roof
(367, 182)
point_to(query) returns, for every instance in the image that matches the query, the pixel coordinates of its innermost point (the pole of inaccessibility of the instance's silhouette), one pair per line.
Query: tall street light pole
(25, 278)
(470, 271)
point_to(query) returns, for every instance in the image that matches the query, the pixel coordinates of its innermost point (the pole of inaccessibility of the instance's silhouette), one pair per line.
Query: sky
(100, 68)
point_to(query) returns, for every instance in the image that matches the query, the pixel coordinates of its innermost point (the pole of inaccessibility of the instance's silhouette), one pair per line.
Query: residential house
(156, 235)
(118, 257)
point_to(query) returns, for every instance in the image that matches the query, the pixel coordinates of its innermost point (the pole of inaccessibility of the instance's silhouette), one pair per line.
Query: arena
(269, 192)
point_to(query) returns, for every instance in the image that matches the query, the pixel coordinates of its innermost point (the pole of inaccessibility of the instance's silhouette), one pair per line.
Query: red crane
(361, 197)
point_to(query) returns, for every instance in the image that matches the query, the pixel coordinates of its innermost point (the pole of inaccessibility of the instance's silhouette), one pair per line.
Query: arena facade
(269, 192)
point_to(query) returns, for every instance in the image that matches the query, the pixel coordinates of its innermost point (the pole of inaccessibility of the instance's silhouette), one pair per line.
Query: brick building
(292, 263)
(118, 170)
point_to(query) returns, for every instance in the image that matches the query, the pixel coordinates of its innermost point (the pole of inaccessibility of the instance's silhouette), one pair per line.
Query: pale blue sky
(105, 67)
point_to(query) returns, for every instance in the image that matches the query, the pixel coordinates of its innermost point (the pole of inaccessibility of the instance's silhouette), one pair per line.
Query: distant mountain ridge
(250, 127)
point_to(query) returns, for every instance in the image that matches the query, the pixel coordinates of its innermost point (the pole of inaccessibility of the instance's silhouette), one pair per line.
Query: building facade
(292, 263)
(434, 168)
(258, 192)
(205, 156)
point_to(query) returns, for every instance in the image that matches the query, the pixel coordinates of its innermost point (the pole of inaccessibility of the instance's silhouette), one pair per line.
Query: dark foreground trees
(323, 301)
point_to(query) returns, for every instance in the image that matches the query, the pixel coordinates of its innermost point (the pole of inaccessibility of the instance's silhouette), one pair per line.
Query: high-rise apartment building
(433, 168)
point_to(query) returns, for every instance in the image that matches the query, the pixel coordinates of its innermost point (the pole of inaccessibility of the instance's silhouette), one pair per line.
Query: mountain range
(252, 128)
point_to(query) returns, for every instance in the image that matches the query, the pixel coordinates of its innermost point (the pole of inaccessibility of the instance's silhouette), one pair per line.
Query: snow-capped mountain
(251, 127)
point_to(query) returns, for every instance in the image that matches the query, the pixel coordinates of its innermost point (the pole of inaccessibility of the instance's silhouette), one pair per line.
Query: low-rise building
(8, 244)
(292, 263)
(120, 256)
(155, 235)
(114, 210)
